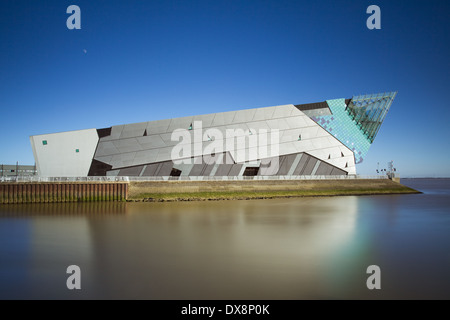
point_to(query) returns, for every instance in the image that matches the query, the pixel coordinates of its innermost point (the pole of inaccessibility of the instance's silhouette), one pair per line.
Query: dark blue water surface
(297, 248)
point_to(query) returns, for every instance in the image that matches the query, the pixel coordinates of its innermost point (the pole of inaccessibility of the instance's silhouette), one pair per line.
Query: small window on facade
(346, 164)
(44, 142)
(13, 170)
(190, 126)
(251, 171)
(342, 154)
(329, 156)
(299, 137)
(77, 150)
(175, 172)
(145, 133)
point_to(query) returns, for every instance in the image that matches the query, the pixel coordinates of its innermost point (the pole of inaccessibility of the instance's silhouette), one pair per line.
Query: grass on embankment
(139, 191)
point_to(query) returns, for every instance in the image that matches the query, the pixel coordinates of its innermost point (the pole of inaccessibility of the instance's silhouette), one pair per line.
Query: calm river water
(298, 248)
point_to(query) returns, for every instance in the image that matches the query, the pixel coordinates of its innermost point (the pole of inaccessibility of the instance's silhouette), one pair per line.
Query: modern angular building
(324, 138)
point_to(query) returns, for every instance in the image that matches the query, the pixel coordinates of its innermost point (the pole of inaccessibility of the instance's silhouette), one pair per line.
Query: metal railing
(183, 178)
(62, 179)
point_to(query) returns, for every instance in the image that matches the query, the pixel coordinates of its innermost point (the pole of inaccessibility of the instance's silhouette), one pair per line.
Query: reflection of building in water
(280, 248)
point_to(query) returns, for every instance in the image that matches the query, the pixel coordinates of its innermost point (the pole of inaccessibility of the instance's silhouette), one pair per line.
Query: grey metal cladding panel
(316, 166)
(116, 131)
(158, 126)
(280, 163)
(105, 148)
(207, 170)
(131, 172)
(338, 172)
(151, 141)
(197, 169)
(322, 169)
(286, 164)
(223, 169)
(310, 166)
(165, 169)
(146, 156)
(167, 139)
(104, 159)
(133, 130)
(150, 171)
(328, 169)
(127, 145)
(301, 164)
(235, 169)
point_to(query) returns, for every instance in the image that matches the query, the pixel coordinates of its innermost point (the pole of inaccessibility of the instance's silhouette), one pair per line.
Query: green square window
(44, 142)
(77, 150)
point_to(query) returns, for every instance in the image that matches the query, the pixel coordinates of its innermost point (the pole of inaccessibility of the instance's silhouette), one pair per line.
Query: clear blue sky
(149, 60)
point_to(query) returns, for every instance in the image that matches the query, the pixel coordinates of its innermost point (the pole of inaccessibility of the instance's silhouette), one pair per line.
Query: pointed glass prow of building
(369, 111)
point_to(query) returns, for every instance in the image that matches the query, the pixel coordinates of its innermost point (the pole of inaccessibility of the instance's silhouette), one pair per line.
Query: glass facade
(357, 123)
(369, 111)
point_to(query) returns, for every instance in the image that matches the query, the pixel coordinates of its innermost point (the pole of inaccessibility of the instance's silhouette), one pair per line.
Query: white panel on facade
(259, 115)
(296, 122)
(291, 135)
(280, 124)
(258, 125)
(268, 113)
(158, 126)
(282, 111)
(65, 154)
(303, 145)
(228, 117)
(236, 130)
(219, 120)
(296, 112)
(206, 119)
(244, 115)
(320, 143)
(180, 123)
(307, 132)
(287, 148)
